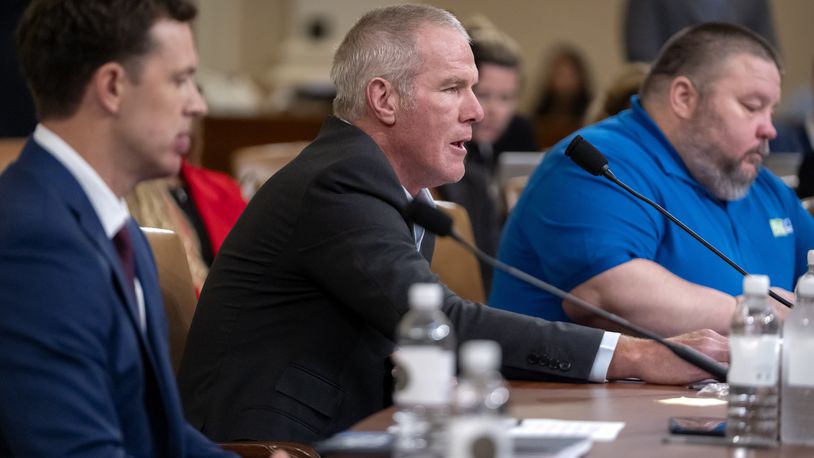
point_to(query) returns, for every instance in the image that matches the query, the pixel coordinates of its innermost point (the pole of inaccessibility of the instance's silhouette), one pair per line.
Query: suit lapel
(156, 335)
(93, 229)
(153, 303)
(44, 166)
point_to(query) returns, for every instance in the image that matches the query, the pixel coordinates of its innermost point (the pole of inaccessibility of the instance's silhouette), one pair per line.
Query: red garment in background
(217, 198)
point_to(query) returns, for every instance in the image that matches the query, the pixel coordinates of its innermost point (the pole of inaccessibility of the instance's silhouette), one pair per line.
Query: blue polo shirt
(569, 226)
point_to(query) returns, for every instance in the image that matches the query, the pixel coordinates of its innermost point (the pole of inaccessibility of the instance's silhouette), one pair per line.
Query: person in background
(502, 129)
(694, 142)
(797, 136)
(497, 57)
(198, 204)
(649, 23)
(294, 330)
(805, 173)
(564, 96)
(616, 97)
(85, 360)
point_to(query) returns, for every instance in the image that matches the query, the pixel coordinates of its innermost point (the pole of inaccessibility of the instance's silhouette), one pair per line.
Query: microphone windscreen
(586, 156)
(428, 217)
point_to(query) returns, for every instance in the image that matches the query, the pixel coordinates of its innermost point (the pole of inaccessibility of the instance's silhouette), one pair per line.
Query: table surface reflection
(639, 405)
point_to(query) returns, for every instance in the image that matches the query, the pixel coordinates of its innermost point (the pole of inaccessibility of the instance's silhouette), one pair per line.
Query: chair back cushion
(177, 291)
(457, 267)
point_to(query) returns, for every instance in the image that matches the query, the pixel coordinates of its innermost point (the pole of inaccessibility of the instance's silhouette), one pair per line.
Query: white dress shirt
(599, 370)
(111, 211)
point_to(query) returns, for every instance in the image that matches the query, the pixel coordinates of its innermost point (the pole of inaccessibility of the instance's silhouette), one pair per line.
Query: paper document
(551, 447)
(598, 431)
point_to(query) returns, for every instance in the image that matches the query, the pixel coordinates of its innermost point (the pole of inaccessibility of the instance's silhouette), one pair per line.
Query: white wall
(243, 35)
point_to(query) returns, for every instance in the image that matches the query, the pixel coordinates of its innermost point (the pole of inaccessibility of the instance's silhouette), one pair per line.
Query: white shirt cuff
(599, 371)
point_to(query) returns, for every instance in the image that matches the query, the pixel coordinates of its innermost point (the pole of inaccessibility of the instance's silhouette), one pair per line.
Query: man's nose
(197, 106)
(471, 111)
(766, 129)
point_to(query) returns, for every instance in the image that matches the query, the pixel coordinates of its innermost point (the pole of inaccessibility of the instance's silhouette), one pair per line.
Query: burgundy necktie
(124, 248)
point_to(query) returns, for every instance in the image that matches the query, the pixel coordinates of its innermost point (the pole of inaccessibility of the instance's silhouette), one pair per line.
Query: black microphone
(439, 223)
(592, 161)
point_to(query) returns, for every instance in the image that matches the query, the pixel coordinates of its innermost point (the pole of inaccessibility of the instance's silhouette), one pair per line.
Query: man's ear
(382, 100)
(108, 84)
(684, 97)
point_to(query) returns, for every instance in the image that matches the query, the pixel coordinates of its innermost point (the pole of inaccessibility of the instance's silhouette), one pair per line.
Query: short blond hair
(382, 44)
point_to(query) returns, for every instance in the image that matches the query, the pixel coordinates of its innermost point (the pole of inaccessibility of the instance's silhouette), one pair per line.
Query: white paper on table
(598, 431)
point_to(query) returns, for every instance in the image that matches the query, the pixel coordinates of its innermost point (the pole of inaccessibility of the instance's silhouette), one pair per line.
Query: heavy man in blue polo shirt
(694, 142)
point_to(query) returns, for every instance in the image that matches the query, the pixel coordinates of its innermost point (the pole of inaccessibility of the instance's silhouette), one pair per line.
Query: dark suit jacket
(295, 325)
(792, 136)
(77, 376)
(518, 136)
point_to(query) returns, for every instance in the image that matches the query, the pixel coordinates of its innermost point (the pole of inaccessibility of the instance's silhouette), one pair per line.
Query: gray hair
(699, 52)
(382, 44)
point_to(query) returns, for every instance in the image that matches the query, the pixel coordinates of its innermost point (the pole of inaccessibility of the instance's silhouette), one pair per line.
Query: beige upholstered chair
(511, 192)
(179, 305)
(253, 165)
(9, 150)
(457, 267)
(808, 204)
(176, 287)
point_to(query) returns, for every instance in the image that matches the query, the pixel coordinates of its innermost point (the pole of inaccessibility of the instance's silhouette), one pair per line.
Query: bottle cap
(480, 355)
(805, 287)
(810, 257)
(425, 296)
(756, 285)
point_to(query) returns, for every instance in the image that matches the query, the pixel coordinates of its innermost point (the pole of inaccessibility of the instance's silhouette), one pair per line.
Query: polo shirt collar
(671, 163)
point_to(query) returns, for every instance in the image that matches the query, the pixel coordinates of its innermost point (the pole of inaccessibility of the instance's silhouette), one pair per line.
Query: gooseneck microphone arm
(440, 224)
(609, 175)
(595, 163)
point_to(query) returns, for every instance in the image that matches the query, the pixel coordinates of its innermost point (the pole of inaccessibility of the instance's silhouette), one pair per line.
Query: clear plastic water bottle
(425, 369)
(809, 274)
(478, 427)
(797, 389)
(754, 354)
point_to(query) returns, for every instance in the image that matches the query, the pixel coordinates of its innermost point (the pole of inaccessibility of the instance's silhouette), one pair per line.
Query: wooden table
(634, 403)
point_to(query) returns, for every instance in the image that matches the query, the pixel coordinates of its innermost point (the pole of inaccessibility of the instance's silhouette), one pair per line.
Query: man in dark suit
(296, 322)
(84, 361)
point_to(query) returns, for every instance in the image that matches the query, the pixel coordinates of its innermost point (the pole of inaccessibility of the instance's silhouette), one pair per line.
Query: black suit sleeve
(354, 242)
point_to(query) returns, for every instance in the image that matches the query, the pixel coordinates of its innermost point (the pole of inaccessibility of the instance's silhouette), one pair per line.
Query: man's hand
(655, 363)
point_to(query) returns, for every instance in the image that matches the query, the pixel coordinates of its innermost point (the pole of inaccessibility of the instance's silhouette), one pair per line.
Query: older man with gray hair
(293, 334)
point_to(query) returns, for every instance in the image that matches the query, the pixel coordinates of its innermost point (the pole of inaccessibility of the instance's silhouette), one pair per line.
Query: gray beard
(723, 179)
(711, 167)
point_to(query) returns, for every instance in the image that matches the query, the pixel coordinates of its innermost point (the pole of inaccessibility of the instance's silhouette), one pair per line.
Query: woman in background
(564, 96)
(616, 96)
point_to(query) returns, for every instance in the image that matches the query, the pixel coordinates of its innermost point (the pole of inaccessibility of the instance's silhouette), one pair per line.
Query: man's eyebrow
(763, 99)
(453, 81)
(190, 70)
